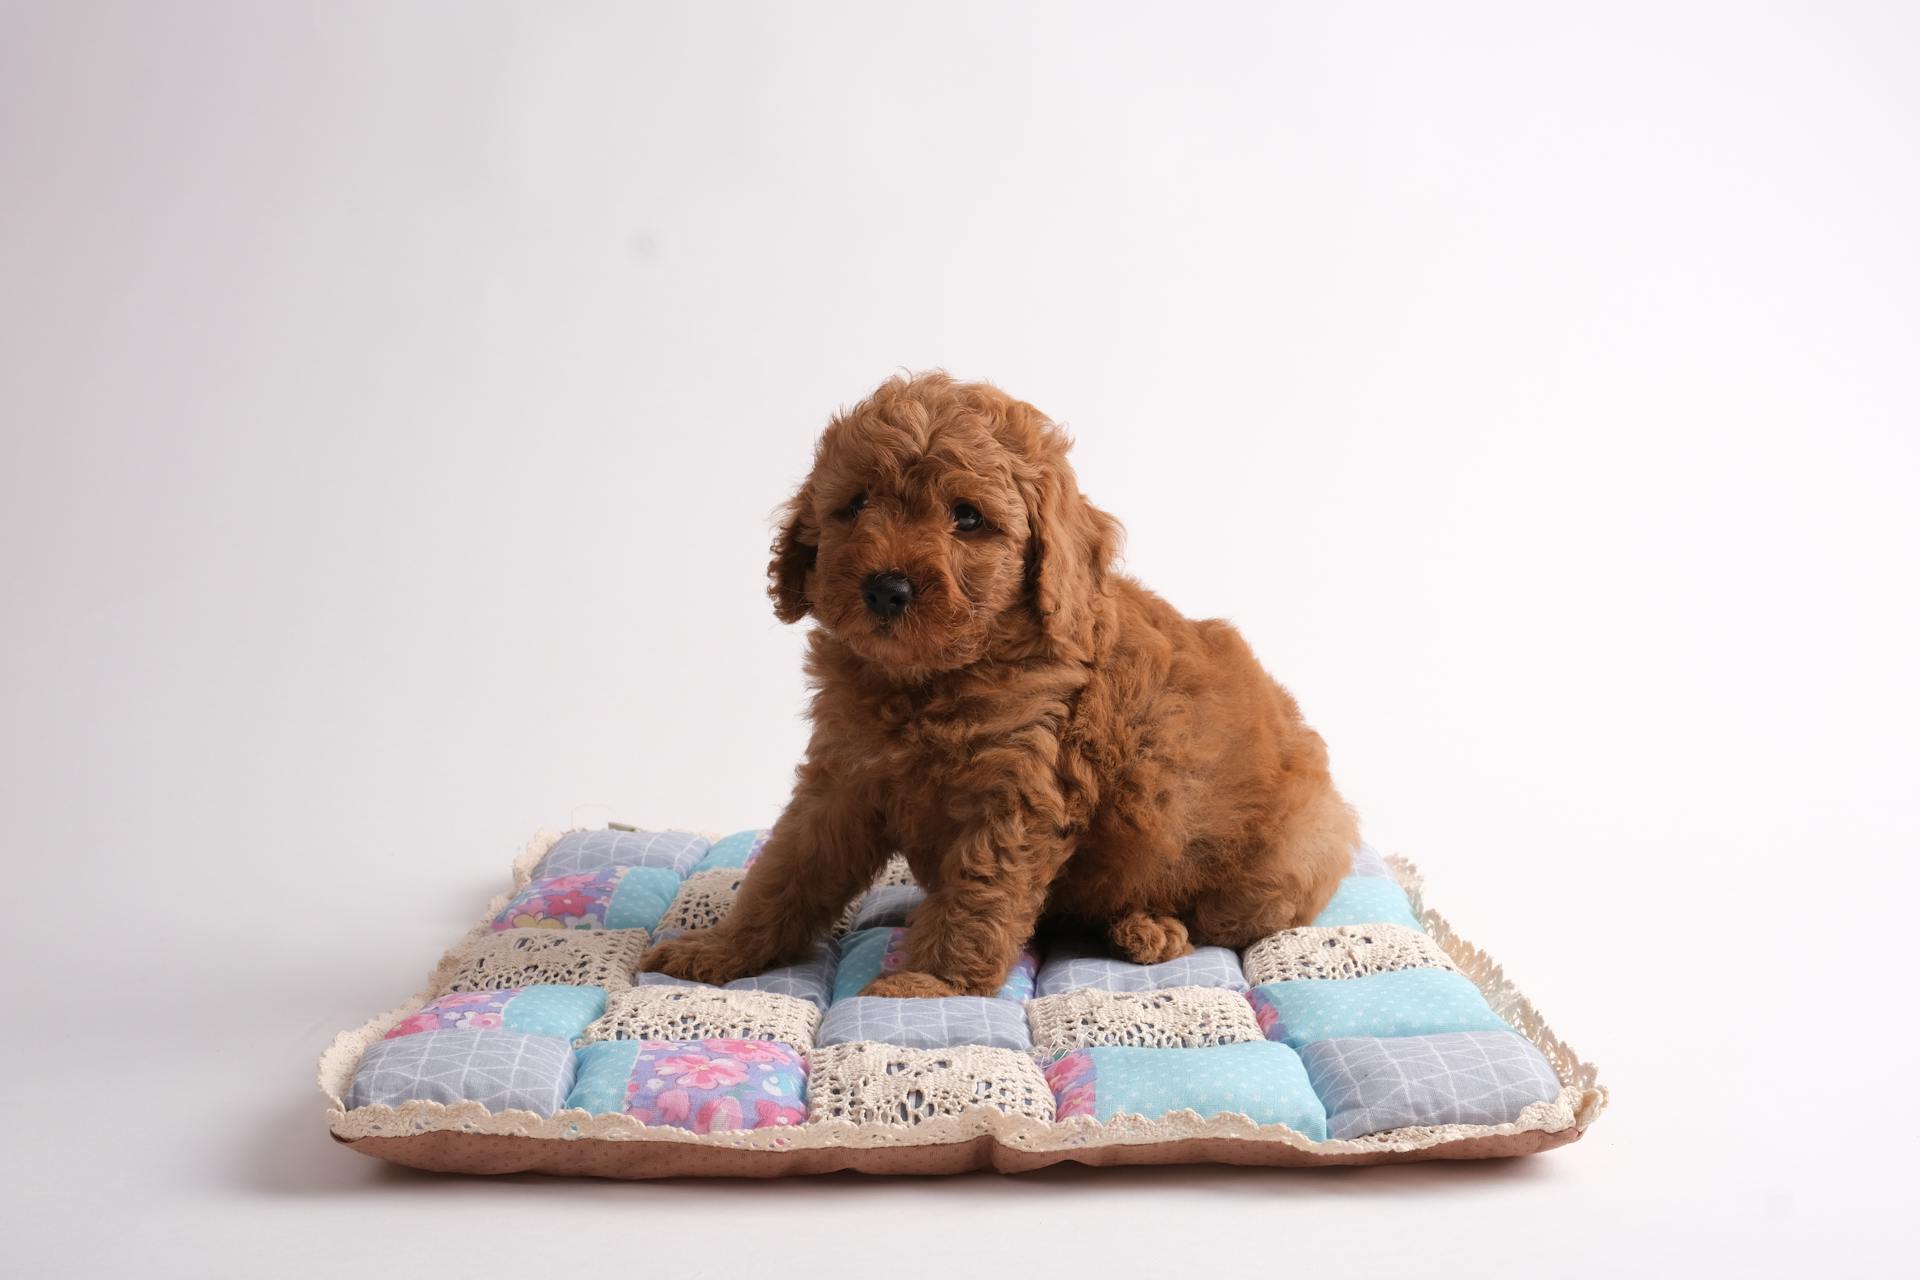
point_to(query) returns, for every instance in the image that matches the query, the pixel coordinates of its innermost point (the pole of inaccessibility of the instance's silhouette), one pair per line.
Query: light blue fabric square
(552, 1010)
(578, 851)
(1021, 978)
(868, 953)
(863, 957)
(734, 851)
(1407, 1002)
(1368, 862)
(601, 1072)
(1259, 1079)
(641, 898)
(887, 906)
(1368, 900)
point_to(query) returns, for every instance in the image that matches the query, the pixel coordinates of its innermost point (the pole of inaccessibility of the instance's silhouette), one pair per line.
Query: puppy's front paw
(1148, 939)
(910, 984)
(697, 957)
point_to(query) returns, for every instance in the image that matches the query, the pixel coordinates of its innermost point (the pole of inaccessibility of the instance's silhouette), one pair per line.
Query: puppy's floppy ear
(794, 550)
(1070, 547)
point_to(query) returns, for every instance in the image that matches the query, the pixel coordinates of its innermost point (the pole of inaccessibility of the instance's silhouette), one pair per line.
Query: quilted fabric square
(864, 956)
(1171, 1018)
(1475, 1077)
(530, 1011)
(611, 898)
(810, 979)
(1368, 900)
(887, 906)
(1368, 862)
(578, 851)
(872, 1083)
(706, 1086)
(1345, 951)
(936, 1023)
(735, 852)
(535, 957)
(1410, 1002)
(501, 1070)
(694, 1011)
(1071, 967)
(1259, 1079)
(868, 953)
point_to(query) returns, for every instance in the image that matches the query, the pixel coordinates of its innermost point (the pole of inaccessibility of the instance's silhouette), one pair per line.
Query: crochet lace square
(705, 1013)
(1170, 1018)
(871, 1083)
(532, 957)
(1344, 951)
(895, 872)
(704, 899)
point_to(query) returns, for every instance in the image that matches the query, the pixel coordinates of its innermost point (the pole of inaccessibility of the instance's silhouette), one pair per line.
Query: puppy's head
(942, 525)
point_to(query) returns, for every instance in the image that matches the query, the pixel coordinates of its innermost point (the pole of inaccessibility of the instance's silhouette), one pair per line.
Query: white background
(394, 401)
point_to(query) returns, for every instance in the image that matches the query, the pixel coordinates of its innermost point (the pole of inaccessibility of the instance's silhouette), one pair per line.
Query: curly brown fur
(1038, 734)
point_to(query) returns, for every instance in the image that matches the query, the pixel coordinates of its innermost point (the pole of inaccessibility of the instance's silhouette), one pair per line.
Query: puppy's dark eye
(966, 518)
(853, 508)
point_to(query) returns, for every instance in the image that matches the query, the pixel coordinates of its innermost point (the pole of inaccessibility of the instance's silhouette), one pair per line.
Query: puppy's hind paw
(1149, 939)
(910, 984)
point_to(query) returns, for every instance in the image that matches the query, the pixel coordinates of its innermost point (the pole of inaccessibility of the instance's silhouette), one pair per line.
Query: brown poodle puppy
(1039, 735)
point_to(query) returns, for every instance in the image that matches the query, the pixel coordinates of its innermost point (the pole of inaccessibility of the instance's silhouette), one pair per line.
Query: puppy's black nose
(887, 594)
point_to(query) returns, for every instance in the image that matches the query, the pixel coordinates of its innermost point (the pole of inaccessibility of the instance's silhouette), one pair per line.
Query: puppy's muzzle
(887, 594)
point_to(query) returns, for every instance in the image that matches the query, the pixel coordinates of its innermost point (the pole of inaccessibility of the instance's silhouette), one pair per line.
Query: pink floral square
(459, 1010)
(711, 1086)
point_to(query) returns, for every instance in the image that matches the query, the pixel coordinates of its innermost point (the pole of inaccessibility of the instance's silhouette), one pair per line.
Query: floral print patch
(1019, 983)
(577, 901)
(712, 1086)
(544, 1009)
(460, 1011)
(610, 898)
(1265, 1014)
(1071, 1075)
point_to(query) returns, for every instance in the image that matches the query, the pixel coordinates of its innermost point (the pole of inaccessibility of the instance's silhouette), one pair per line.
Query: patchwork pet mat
(1375, 1035)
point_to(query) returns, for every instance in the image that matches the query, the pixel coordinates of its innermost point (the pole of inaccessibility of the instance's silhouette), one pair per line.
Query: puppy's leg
(1149, 939)
(1284, 883)
(966, 936)
(825, 848)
